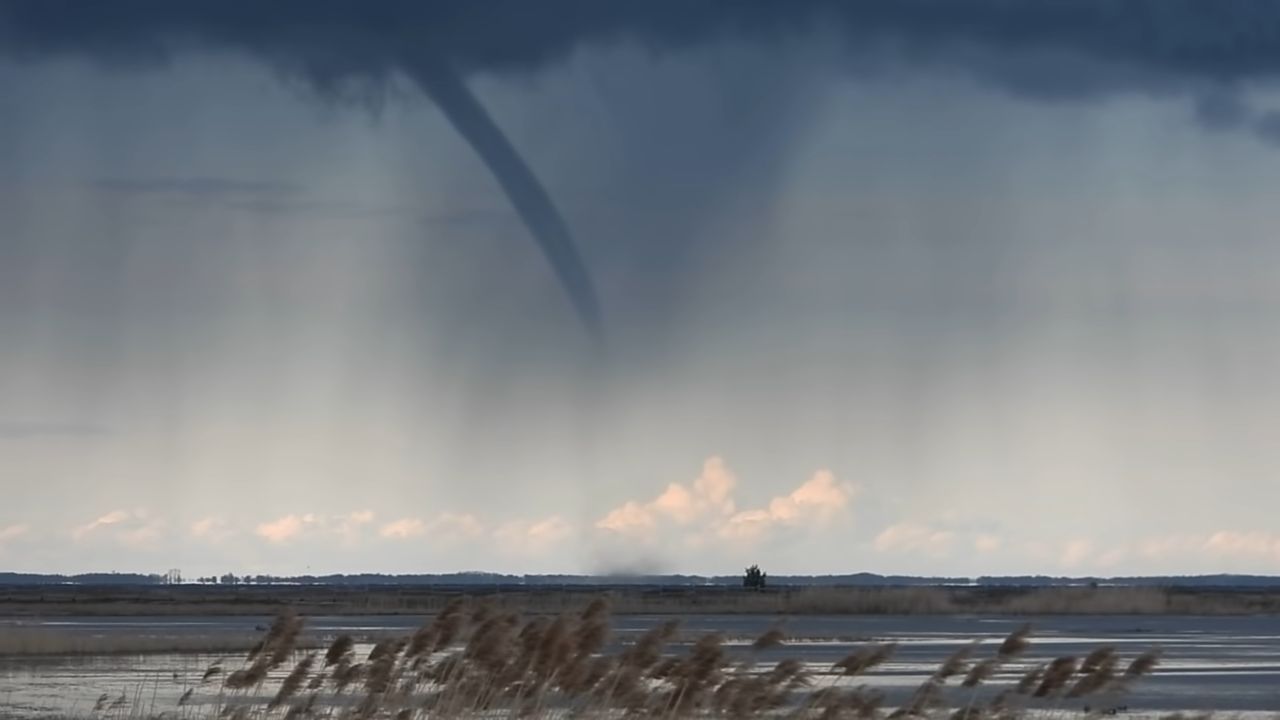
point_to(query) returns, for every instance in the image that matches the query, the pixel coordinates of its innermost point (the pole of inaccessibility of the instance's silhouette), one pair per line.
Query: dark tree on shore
(754, 578)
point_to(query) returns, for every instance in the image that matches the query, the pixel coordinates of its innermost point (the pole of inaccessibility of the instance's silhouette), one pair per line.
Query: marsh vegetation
(477, 659)
(667, 600)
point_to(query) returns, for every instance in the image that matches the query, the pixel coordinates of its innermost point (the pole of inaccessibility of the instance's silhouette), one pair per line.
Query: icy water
(1218, 664)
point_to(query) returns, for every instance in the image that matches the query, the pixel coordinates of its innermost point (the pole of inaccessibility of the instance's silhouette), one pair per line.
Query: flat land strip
(82, 600)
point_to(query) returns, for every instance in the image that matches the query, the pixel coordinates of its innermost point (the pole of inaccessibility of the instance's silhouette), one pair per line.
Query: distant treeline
(11, 578)
(499, 579)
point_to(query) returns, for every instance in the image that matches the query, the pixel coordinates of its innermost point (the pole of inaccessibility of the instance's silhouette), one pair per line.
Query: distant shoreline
(169, 600)
(633, 579)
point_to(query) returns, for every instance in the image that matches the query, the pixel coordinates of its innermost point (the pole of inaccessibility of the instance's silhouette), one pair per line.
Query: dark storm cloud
(1221, 111)
(1045, 49)
(1035, 48)
(1219, 40)
(1063, 48)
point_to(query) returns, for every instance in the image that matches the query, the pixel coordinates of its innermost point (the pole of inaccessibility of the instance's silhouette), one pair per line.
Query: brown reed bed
(268, 600)
(477, 659)
(28, 641)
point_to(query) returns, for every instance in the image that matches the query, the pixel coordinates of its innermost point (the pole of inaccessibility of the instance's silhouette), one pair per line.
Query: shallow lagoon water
(1227, 664)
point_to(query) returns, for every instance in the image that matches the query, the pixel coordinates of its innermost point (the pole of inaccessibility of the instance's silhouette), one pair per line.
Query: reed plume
(248, 677)
(647, 650)
(1015, 644)
(926, 697)
(1030, 680)
(859, 661)
(1100, 676)
(956, 663)
(981, 671)
(1056, 676)
(771, 638)
(1097, 658)
(495, 663)
(1142, 665)
(293, 681)
(340, 649)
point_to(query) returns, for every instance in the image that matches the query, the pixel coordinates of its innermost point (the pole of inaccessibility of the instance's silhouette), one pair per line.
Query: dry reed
(41, 641)
(477, 660)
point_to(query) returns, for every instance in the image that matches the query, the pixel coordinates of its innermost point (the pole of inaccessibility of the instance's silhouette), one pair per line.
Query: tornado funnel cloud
(532, 203)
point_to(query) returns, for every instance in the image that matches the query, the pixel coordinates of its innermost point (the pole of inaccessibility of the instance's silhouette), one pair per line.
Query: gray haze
(924, 287)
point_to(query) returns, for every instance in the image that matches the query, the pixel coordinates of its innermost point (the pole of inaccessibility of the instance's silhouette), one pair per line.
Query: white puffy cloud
(286, 527)
(705, 509)
(115, 517)
(815, 502)
(350, 526)
(628, 518)
(206, 527)
(1184, 552)
(1112, 557)
(524, 537)
(347, 527)
(12, 532)
(403, 528)
(211, 529)
(1166, 547)
(987, 543)
(915, 538)
(1076, 552)
(455, 526)
(1254, 544)
(1216, 551)
(708, 497)
(136, 529)
(146, 534)
(444, 527)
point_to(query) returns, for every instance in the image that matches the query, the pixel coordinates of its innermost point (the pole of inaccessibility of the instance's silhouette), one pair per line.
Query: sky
(923, 287)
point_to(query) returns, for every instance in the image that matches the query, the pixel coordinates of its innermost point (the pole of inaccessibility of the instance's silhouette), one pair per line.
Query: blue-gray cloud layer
(1230, 39)
(1162, 46)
